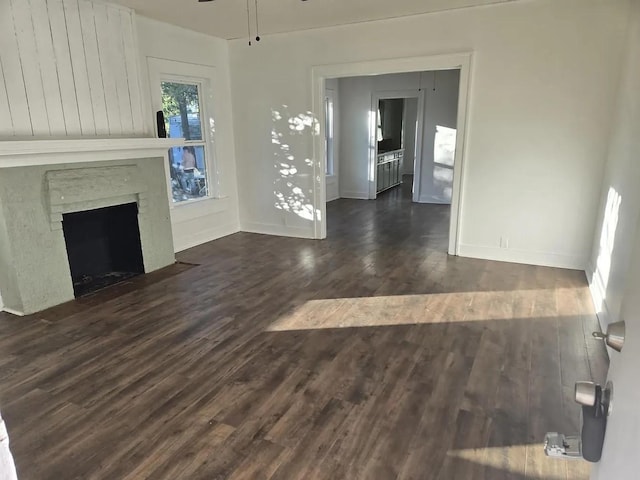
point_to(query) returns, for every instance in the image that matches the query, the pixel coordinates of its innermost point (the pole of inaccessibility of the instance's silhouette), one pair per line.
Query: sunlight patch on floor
(434, 309)
(517, 461)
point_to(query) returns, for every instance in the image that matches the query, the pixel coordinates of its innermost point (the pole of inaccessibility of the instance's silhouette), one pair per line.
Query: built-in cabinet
(389, 169)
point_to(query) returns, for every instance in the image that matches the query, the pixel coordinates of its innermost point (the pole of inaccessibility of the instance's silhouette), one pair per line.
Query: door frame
(373, 137)
(452, 61)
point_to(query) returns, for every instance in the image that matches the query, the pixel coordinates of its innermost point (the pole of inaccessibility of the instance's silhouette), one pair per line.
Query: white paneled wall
(68, 68)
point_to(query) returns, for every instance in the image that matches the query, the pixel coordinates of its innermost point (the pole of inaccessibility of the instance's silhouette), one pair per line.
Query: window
(444, 153)
(329, 132)
(188, 165)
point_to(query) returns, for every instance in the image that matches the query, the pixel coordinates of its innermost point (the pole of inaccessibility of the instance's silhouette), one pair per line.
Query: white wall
(203, 220)
(410, 120)
(542, 82)
(74, 68)
(615, 283)
(441, 110)
(355, 102)
(355, 99)
(333, 181)
(620, 199)
(68, 68)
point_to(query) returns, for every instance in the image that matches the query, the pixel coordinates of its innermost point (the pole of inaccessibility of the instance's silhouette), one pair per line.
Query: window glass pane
(188, 168)
(329, 135)
(444, 151)
(181, 108)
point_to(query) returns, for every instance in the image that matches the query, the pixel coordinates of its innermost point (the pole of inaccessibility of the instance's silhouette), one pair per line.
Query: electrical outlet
(504, 242)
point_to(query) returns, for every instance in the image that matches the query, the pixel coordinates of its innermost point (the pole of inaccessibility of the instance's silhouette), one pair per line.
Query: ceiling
(228, 18)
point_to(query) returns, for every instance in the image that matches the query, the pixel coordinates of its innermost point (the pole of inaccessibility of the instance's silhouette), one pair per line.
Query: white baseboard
(355, 195)
(332, 198)
(435, 201)
(205, 236)
(544, 259)
(12, 311)
(278, 230)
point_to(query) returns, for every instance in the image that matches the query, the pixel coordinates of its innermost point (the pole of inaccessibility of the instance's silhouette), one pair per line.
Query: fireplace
(103, 246)
(77, 215)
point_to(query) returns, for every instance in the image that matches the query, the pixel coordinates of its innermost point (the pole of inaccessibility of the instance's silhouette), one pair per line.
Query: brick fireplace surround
(40, 181)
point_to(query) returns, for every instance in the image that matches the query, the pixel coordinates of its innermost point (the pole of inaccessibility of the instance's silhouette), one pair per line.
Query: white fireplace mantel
(25, 153)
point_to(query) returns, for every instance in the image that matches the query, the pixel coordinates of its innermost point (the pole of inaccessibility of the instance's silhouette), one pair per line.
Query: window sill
(193, 201)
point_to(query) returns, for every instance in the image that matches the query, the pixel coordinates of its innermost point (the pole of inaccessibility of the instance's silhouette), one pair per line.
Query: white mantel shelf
(25, 153)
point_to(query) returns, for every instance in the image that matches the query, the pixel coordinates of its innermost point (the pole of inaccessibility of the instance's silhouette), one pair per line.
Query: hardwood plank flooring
(370, 355)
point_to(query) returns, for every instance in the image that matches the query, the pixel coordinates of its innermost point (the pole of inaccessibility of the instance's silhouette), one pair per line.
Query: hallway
(392, 217)
(370, 355)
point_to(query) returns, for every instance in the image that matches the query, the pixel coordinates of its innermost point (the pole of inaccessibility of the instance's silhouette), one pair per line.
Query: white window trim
(204, 76)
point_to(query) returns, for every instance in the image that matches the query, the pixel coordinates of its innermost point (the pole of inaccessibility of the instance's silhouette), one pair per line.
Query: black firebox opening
(103, 246)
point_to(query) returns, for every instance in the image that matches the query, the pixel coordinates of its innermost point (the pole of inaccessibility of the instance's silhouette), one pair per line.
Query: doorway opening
(393, 138)
(323, 76)
(390, 143)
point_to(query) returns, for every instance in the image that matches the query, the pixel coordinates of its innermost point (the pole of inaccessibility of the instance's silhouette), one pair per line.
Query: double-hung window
(184, 115)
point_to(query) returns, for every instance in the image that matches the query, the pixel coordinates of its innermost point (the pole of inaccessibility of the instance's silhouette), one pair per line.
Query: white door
(620, 459)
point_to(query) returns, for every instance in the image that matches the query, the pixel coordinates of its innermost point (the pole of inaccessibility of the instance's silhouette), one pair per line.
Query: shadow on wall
(293, 189)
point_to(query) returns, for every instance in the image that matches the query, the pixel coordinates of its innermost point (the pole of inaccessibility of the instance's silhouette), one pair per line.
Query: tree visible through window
(188, 165)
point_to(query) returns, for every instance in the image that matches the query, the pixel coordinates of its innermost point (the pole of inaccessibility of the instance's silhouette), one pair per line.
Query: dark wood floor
(371, 355)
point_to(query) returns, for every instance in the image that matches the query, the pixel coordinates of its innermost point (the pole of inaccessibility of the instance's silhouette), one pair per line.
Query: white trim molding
(26, 153)
(355, 195)
(184, 242)
(512, 255)
(278, 230)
